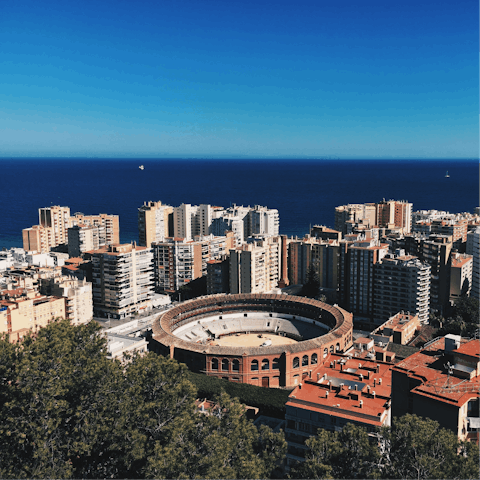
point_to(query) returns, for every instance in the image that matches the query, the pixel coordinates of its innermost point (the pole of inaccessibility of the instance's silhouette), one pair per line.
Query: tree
(311, 286)
(419, 448)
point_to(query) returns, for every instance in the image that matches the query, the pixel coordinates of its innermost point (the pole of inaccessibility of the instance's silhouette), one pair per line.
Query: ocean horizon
(305, 190)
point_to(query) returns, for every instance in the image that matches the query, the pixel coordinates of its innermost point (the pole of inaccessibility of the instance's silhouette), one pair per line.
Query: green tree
(311, 286)
(419, 449)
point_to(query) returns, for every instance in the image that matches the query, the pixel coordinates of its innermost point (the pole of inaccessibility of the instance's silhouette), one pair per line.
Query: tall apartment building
(38, 239)
(192, 220)
(83, 238)
(394, 214)
(155, 223)
(461, 270)
(354, 213)
(226, 223)
(55, 217)
(255, 267)
(111, 233)
(264, 221)
(357, 261)
(122, 280)
(401, 283)
(54, 223)
(473, 248)
(178, 261)
(391, 214)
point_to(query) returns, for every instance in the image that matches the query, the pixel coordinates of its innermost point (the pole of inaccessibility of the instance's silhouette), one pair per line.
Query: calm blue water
(304, 191)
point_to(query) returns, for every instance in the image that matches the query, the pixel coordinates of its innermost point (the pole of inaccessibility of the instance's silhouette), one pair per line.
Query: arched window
(225, 365)
(214, 364)
(314, 360)
(296, 362)
(254, 366)
(331, 348)
(304, 360)
(235, 365)
(337, 347)
(265, 364)
(325, 352)
(275, 364)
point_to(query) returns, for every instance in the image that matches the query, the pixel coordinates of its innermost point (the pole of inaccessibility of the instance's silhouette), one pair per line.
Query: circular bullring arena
(261, 339)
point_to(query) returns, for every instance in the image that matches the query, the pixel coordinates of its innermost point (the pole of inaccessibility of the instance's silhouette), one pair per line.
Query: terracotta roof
(471, 348)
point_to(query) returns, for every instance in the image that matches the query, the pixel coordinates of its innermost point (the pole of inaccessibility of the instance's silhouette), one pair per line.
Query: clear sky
(320, 78)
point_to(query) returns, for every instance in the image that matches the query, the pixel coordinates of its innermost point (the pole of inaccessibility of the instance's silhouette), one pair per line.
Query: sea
(304, 191)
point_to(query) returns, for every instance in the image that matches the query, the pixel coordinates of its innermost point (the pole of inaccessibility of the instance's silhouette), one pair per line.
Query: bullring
(194, 333)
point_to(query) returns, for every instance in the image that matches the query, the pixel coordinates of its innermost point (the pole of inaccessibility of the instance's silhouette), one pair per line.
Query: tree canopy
(70, 412)
(311, 286)
(414, 448)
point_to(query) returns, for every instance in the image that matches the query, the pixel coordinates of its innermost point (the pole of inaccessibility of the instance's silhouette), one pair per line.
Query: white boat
(447, 175)
(141, 167)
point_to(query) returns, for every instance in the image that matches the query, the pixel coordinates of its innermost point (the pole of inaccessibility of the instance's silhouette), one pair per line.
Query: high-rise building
(460, 275)
(155, 223)
(122, 279)
(473, 248)
(401, 283)
(38, 239)
(111, 233)
(356, 276)
(57, 218)
(264, 221)
(178, 261)
(394, 214)
(255, 267)
(83, 238)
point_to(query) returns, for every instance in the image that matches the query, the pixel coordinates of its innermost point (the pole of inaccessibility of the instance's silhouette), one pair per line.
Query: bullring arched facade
(268, 366)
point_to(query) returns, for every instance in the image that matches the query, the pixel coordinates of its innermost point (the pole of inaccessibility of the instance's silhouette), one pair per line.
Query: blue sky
(347, 79)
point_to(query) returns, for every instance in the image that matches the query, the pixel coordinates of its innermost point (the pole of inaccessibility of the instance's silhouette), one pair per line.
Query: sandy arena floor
(252, 340)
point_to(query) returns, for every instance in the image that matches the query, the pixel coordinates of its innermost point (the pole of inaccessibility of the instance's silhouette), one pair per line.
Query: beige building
(38, 239)
(461, 269)
(256, 266)
(83, 238)
(24, 310)
(57, 218)
(400, 329)
(111, 233)
(77, 294)
(155, 221)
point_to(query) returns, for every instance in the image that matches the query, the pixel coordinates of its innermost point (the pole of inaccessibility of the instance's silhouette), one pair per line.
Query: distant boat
(141, 167)
(447, 175)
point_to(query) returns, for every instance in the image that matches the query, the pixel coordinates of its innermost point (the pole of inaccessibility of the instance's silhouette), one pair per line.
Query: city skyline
(240, 80)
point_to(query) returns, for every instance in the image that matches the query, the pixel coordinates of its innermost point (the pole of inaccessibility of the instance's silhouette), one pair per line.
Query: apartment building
(192, 220)
(401, 283)
(155, 223)
(343, 389)
(109, 235)
(473, 248)
(178, 261)
(55, 217)
(255, 267)
(394, 214)
(122, 280)
(400, 328)
(441, 382)
(357, 260)
(83, 238)
(461, 270)
(24, 310)
(354, 213)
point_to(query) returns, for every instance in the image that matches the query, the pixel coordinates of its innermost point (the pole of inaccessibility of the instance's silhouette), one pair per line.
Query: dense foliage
(69, 412)
(462, 318)
(311, 286)
(414, 448)
(271, 402)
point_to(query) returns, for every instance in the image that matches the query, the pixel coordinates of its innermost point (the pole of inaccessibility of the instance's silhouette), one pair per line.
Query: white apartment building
(230, 223)
(83, 238)
(264, 221)
(192, 220)
(401, 283)
(122, 280)
(178, 261)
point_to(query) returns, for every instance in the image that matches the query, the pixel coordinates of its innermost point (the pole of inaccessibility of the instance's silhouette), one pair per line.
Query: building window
(265, 364)
(275, 364)
(337, 347)
(331, 348)
(214, 364)
(325, 352)
(314, 360)
(254, 366)
(296, 362)
(225, 365)
(235, 365)
(304, 360)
